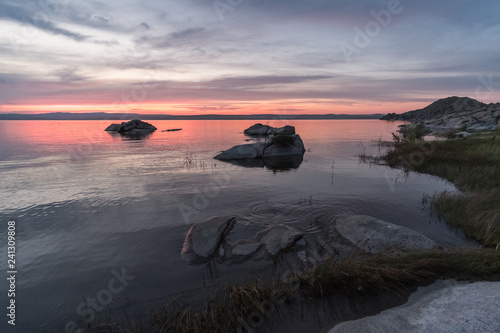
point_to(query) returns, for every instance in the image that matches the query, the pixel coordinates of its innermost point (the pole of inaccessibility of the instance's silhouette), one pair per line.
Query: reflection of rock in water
(140, 136)
(280, 163)
(283, 162)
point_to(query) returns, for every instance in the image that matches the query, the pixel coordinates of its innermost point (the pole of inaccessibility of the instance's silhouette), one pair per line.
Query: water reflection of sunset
(219, 134)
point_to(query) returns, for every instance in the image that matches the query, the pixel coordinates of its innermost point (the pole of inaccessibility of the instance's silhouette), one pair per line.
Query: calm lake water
(90, 206)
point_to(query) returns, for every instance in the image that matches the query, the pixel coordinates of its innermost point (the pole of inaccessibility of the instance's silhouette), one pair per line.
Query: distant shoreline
(128, 116)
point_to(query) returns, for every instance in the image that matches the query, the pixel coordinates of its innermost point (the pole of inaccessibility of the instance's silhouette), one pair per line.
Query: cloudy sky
(245, 56)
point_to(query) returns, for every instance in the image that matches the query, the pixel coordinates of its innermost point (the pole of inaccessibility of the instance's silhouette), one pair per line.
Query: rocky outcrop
(265, 130)
(445, 307)
(453, 114)
(274, 146)
(134, 127)
(374, 236)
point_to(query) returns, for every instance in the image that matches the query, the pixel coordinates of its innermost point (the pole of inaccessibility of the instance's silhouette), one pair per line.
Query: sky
(245, 56)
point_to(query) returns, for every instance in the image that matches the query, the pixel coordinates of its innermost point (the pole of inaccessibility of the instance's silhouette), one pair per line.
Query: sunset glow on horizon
(245, 57)
(211, 108)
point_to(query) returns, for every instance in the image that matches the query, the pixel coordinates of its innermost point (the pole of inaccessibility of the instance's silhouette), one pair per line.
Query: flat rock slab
(443, 307)
(203, 239)
(374, 236)
(265, 244)
(279, 238)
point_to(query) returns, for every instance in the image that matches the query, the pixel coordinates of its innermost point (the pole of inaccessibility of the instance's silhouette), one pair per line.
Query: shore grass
(473, 165)
(235, 307)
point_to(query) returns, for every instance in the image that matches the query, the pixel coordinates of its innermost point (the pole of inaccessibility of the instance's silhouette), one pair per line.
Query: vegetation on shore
(235, 307)
(473, 165)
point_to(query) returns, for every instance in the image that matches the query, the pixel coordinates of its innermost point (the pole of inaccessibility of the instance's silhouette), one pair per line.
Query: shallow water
(88, 204)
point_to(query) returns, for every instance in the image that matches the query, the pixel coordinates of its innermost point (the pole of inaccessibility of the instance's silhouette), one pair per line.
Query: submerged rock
(203, 239)
(444, 307)
(374, 236)
(265, 244)
(280, 238)
(134, 127)
(172, 130)
(334, 238)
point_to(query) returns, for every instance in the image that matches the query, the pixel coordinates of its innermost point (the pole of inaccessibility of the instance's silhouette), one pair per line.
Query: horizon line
(129, 116)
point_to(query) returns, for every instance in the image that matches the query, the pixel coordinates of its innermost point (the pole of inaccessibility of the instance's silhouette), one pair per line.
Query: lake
(96, 212)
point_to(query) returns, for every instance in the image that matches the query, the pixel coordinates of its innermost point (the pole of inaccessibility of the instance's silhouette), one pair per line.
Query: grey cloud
(69, 74)
(36, 19)
(186, 32)
(238, 82)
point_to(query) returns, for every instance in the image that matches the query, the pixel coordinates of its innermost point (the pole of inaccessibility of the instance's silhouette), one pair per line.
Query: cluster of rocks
(341, 236)
(134, 127)
(452, 114)
(282, 143)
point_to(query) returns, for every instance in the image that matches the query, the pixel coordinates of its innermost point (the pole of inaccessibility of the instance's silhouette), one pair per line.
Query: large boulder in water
(113, 127)
(134, 127)
(265, 130)
(274, 146)
(203, 239)
(284, 145)
(258, 130)
(285, 130)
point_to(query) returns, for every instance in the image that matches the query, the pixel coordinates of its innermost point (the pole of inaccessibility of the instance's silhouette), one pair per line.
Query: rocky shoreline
(452, 114)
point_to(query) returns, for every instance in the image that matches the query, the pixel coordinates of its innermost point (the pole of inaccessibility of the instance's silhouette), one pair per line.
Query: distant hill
(452, 114)
(440, 107)
(129, 116)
